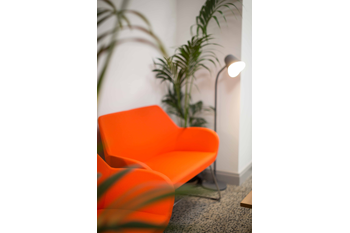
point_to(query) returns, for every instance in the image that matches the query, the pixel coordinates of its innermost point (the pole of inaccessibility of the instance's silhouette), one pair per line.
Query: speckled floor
(193, 214)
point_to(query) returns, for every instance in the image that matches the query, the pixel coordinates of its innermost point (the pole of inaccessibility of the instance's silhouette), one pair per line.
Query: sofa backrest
(139, 133)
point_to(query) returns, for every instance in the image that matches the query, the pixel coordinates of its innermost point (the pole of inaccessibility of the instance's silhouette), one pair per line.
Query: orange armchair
(149, 138)
(121, 202)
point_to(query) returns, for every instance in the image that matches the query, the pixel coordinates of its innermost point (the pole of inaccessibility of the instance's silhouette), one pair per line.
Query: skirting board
(228, 177)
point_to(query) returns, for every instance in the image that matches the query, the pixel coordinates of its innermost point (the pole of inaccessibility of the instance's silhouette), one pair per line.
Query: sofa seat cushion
(181, 166)
(113, 215)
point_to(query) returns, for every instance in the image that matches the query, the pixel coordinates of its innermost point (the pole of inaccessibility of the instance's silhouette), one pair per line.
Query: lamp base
(211, 185)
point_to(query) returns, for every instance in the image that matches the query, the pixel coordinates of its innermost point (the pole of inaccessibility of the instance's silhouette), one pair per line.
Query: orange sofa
(120, 204)
(149, 138)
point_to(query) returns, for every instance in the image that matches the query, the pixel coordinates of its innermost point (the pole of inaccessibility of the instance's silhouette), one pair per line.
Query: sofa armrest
(197, 139)
(120, 162)
(139, 186)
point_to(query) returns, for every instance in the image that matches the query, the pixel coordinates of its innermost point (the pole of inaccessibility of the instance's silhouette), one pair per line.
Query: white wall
(245, 129)
(229, 36)
(130, 82)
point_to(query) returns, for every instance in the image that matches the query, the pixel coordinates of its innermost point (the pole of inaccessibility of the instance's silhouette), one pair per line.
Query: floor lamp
(234, 67)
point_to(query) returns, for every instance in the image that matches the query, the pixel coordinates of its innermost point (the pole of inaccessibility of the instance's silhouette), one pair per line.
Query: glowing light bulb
(235, 68)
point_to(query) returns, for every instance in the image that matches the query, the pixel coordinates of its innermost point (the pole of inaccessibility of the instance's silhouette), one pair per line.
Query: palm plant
(179, 70)
(208, 11)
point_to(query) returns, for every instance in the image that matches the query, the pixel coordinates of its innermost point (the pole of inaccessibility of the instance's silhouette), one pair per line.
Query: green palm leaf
(223, 15)
(104, 19)
(217, 21)
(109, 182)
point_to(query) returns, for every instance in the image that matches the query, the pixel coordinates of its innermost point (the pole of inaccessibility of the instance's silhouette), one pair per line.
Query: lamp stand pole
(211, 185)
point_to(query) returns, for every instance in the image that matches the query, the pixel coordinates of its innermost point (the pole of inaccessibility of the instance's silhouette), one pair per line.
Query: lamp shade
(234, 66)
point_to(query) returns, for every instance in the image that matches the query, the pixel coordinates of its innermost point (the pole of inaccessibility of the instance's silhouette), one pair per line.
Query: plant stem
(186, 102)
(191, 84)
(178, 89)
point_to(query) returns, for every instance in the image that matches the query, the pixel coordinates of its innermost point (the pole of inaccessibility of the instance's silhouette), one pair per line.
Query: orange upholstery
(148, 137)
(121, 202)
(184, 164)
